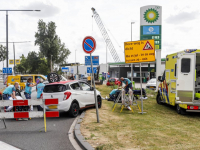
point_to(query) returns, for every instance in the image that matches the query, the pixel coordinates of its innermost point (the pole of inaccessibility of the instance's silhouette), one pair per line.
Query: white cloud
(47, 10)
(182, 17)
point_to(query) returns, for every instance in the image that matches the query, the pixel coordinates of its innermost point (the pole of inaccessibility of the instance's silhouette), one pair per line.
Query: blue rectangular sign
(149, 30)
(95, 60)
(7, 70)
(65, 69)
(4, 70)
(72, 70)
(89, 70)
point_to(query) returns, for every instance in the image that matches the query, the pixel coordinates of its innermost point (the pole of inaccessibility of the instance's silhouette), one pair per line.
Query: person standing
(72, 77)
(39, 88)
(28, 88)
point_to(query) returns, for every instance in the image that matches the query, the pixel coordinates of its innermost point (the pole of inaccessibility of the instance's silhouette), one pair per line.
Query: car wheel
(99, 100)
(180, 110)
(74, 110)
(158, 99)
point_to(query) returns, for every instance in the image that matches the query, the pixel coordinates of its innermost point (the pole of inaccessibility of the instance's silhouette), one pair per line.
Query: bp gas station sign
(150, 24)
(151, 32)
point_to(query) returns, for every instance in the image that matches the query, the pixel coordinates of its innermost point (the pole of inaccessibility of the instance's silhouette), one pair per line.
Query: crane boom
(105, 36)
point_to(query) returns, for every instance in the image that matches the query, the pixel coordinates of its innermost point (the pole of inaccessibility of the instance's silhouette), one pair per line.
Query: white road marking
(5, 146)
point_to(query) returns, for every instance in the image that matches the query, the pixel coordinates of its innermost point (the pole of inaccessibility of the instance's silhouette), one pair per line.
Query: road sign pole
(95, 94)
(141, 87)
(141, 96)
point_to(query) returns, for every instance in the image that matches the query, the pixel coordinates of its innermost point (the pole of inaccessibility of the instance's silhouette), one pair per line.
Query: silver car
(151, 84)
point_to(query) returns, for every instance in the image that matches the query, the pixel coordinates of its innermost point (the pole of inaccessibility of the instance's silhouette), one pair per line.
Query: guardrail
(28, 114)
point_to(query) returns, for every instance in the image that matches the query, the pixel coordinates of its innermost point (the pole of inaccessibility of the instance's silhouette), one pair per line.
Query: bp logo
(151, 29)
(151, 15)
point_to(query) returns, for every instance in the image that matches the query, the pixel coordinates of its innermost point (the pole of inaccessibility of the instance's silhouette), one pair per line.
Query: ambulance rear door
(185, 77)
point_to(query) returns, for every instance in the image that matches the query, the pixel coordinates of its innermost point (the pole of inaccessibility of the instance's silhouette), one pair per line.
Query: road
(30, 135)
(2, 85)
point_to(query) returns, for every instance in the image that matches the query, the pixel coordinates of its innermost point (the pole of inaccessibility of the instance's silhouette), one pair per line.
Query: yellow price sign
(139, 51)
(11, 61)
(17, 61)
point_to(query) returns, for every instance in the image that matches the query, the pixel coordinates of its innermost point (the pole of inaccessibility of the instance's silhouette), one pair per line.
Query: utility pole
(14, 56)
(7, 38)
(7, 29)
(51, 63)
(14, 49)
(76, 66)
(131, 63)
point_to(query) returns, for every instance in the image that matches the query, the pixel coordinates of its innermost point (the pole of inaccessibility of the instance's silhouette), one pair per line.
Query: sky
(74, 21)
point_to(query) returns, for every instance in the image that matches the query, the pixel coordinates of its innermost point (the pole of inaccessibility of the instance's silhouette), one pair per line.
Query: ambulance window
(185, 65)
(175, 70)
(25, 78)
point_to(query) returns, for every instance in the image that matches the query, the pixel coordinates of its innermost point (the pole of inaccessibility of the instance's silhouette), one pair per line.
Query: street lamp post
(131, 64)
(76, 66)
(7, 29)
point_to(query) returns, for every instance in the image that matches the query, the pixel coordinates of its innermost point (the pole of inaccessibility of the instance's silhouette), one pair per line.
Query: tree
(33, 64)
(43, 67)
(50, 44)
(3, 53)
(23, 66)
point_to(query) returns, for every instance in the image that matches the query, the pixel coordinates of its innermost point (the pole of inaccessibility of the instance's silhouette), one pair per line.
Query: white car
(151, 84)
(73, 96)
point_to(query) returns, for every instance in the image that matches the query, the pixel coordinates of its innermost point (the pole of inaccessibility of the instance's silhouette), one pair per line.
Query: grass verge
(160, 128)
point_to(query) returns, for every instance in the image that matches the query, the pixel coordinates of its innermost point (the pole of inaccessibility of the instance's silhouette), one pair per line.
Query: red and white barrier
(29, 114)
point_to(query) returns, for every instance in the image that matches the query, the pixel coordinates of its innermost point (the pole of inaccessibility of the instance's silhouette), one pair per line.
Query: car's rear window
(55, 88)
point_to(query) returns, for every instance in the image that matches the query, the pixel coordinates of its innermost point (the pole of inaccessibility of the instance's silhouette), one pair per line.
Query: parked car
(83, 79)
(73, 96)
(151, 84)
(112, 80)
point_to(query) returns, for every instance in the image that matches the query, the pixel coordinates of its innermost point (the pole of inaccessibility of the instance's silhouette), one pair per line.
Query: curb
(79, 137)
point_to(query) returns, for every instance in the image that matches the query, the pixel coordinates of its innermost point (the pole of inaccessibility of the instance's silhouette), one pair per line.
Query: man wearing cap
(127, 83)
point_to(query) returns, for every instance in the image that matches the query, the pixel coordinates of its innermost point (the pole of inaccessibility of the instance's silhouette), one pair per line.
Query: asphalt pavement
(2, 85)
(30, 135)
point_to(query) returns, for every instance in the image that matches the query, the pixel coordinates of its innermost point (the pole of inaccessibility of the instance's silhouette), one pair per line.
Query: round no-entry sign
(89, 44)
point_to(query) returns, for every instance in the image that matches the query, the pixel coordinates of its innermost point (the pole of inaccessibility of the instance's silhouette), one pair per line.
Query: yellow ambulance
(22, 79)
(180, 82)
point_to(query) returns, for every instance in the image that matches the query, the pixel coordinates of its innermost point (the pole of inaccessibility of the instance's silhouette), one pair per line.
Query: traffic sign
(17, 61)
(72, 70)
(89, 70)
(148, 46)
(95, 60)
(4, 70)
(89, 44)
(11, 61)
(7, 70)
(65, 69)
(139, 51)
